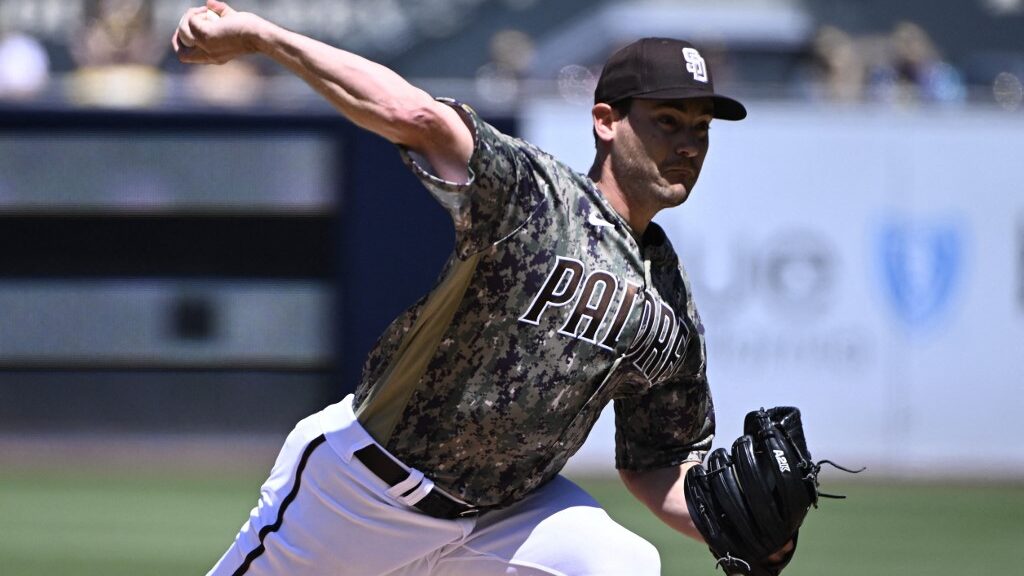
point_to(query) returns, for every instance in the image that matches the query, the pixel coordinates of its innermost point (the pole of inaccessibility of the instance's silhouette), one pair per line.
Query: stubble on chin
(634, 172)
(641, 181)
(674, 195)
(677, 193)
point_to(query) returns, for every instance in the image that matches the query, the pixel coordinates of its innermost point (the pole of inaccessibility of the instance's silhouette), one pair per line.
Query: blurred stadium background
(192, 259)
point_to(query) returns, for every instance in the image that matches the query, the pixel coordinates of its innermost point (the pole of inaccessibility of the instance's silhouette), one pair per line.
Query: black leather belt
(436, 503)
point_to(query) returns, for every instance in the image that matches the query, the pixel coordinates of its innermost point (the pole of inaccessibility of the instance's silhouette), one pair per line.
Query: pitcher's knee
(575, 540)
(631, 555)
(647, 557)
(610, 550)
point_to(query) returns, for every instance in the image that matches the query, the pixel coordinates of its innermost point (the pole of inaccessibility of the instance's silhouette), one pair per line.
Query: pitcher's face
(659, 149)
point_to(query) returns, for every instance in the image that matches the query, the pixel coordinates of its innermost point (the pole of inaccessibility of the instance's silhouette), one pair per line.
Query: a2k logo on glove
(780, 457)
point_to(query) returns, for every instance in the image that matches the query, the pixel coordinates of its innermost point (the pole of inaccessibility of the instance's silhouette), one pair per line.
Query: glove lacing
(814, 468)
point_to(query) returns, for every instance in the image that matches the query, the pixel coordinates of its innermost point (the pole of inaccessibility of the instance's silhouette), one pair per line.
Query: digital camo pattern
(557, 317)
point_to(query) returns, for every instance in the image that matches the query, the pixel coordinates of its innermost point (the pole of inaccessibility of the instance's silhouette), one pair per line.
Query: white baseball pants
(322, 512)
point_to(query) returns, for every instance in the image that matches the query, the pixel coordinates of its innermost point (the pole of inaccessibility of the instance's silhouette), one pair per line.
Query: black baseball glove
(750, 502)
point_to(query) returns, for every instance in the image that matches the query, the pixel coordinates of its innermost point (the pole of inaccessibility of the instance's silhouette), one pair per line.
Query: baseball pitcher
(561, 295)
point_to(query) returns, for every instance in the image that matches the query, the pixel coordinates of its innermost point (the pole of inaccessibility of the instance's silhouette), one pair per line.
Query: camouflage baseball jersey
(548, 309)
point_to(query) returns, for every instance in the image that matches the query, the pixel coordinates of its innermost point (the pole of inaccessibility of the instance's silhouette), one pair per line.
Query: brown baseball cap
(662, 69)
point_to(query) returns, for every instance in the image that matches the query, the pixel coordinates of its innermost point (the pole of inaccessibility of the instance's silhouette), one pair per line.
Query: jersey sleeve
(501, 192)
(671, 424)
(674, 421)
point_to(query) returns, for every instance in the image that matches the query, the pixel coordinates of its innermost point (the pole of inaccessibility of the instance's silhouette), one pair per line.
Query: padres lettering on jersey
(658, 348)
(548, 310)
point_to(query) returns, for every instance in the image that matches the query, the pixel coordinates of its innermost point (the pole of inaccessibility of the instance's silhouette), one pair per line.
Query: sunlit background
(194, 258)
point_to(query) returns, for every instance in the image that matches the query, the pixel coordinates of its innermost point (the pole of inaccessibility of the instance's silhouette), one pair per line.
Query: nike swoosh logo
(597, 221)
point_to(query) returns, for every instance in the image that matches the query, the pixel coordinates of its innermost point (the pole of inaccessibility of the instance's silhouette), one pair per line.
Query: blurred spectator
(838, 67)
(117, 52)
(24, 66)
(511, 53)
(512, 50)
(1004, 7)
(900, 67)
(914, 70)
(236, 83)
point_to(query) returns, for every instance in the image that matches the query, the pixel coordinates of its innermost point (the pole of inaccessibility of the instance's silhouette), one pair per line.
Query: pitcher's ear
(604, 117)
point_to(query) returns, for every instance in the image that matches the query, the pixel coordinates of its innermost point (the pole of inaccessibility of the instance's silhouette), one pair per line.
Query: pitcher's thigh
(560, 530)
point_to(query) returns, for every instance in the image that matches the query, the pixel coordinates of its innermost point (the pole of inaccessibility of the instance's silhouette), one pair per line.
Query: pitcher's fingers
(195, 56)
(199, 25)
(221, 8)
(184, 32)
(176, 45)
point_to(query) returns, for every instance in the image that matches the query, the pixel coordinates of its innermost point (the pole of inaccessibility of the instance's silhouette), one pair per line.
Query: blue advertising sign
(921, 264)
